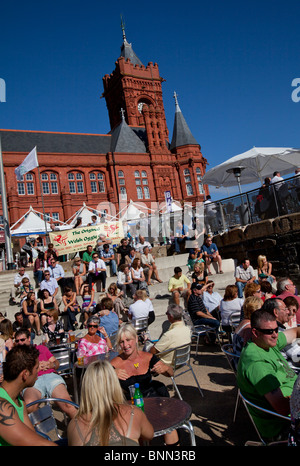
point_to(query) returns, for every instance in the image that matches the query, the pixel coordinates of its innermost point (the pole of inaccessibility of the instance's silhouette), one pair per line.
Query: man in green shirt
(264, 376)
(20, 371)
(88, 255)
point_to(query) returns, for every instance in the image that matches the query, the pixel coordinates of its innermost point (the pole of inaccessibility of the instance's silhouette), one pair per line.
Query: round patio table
(167, 414)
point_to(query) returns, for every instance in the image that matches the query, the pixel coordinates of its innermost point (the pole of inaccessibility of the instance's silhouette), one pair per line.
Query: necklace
(136, 365)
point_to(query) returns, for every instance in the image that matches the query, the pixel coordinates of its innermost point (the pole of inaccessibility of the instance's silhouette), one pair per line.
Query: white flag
(28, 164)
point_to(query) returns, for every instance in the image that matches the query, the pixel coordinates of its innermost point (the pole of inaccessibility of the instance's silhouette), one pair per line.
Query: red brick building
(135, 161)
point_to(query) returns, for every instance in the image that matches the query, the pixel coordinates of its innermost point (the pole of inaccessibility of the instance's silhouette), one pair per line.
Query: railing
(272, 201)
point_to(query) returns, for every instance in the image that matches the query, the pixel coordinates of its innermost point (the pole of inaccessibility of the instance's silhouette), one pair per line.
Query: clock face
(140, 106)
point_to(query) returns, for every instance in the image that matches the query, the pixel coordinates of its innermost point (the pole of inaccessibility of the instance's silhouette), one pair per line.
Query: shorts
(46, 383)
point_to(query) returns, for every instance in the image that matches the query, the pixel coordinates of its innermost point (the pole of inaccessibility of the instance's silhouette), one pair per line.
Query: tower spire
(123, 28)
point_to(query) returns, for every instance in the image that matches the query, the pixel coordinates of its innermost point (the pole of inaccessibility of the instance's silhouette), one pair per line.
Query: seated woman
(133, 365)
(53, 327)
(230, 303)
(195, 256)
(7, 335)
(71, 307)
(25, 288)
(200, 274)
(88, 302)
(79, 272)
(293, 306)
(46, 303)
(252, 289)
(116, 297)
(29, 311)
(104, 417)
(92, 344)
(266, 290)
(264, 269)
(39, 265)
(138, 277)
(243, 331)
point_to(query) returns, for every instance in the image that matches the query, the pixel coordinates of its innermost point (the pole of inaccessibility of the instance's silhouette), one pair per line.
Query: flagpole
(9, 254)
(39, 175)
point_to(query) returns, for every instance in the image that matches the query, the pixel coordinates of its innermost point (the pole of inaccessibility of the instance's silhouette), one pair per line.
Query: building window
(55, 215)
(97, 182)
(187, 179)
(121, 179)
(26, 185)
(21, 189)
(76, 186)
(54, 187)
(45, 187)
(123, 193)
(141, 183)
(199, 179)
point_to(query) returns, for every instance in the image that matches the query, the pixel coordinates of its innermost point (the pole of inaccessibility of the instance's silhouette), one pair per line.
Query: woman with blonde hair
(104, 417)
(200, 274)
(133, 365)
(264, 269)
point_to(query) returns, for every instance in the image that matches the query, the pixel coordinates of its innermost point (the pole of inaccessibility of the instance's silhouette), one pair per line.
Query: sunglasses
(20, 339)
(95, 326)
(267, 331)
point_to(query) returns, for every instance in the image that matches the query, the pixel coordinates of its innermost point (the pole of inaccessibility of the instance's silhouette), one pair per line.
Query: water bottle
(138, 397)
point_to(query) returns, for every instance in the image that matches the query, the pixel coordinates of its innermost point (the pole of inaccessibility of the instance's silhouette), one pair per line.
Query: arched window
(26, 185)
(199, 179)
(187, 179)
(121, 179)
(141, 182)
(97, 182)
(76, 182)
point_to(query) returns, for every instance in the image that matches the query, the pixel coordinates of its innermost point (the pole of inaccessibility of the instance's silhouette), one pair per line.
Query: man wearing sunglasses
(264, 376)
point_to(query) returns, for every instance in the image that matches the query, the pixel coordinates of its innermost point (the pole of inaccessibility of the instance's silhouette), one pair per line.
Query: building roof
(50, 142)
(126, 49)
(182, 135)
(125, 139)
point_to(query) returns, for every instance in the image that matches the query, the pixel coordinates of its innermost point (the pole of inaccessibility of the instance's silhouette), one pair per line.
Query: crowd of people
(264, 339)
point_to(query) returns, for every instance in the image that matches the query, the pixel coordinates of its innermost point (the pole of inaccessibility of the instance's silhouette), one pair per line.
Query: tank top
(115, 438)
(19, 409)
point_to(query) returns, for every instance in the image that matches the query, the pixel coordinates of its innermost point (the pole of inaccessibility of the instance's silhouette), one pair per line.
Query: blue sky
(231, 63)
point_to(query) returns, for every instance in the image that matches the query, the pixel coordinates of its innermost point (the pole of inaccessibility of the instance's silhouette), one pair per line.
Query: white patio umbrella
(255, 165)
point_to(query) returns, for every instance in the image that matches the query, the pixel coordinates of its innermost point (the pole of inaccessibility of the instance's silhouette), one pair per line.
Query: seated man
(177, 335)
(97, 271)
(176, 286)
(48, 382)
(49, 284)
(211, 254)
(20, 371)
(131, 256)
(108, 318)
(107, 254)
(141, 308)
(264, 376)
(87, 256)
(285, 288)
(16, 289)
(149, 266)
(122, 251)
(244, 274)
(57, 272)
(141, 244)
(181, 235)
(200, 315)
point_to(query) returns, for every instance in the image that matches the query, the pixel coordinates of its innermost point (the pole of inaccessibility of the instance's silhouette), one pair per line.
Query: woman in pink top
(92, 344)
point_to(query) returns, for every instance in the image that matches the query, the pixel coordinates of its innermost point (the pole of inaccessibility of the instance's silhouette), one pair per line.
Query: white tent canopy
(85, 213)
(132, 211)
(256, 164)
(176, 207)
(33, 224)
